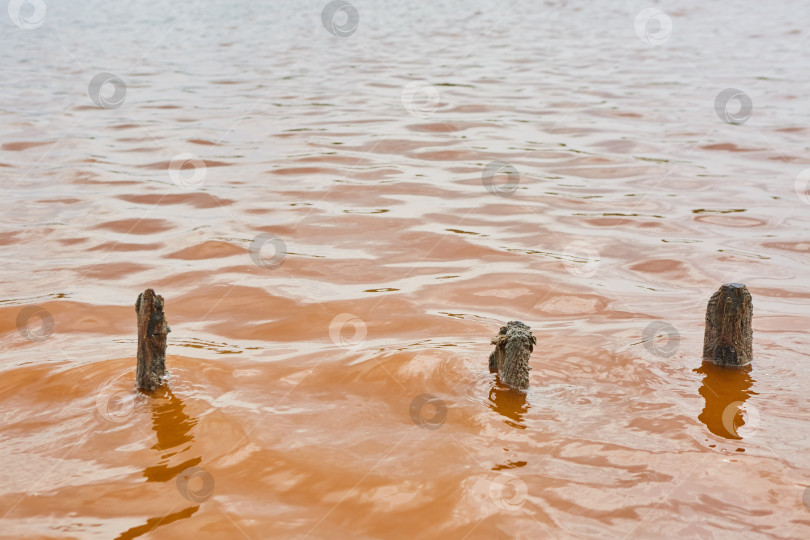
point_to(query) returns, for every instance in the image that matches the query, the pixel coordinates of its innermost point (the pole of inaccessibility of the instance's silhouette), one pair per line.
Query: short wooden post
(728, 338)
(152, 330)
(510, 359)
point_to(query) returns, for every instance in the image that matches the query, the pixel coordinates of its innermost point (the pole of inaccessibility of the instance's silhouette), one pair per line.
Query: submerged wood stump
(728, 338)
(510, 359)
(152, 330)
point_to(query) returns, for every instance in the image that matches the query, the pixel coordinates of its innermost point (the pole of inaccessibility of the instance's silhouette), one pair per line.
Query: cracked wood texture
(152, 331)
(728, 338)
(510, 359)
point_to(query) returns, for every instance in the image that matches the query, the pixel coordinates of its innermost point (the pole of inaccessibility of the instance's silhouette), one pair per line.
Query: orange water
(296, 404)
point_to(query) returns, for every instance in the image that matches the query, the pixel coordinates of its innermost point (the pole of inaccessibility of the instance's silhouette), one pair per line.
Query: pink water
(295, 406)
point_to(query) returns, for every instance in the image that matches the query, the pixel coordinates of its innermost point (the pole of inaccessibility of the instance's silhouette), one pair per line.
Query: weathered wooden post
(728, 337)
(152, 330)
(510, 359)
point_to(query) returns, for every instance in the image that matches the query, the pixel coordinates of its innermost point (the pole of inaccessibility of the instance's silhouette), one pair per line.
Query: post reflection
(172, 427)
(511, 404)
(725, 391)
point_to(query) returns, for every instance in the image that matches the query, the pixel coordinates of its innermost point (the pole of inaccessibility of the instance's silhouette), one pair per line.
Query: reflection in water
(509, 403)
(173, 429)
(725, 390)
(510, 465)
(152, 523)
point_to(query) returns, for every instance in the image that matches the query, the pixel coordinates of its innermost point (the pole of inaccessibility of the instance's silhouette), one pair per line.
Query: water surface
(296, 405)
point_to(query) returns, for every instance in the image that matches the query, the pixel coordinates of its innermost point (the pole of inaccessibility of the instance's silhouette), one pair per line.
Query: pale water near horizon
(359, 212)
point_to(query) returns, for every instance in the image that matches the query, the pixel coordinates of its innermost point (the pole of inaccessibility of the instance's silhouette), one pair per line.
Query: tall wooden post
(728, 338)
(152, 330)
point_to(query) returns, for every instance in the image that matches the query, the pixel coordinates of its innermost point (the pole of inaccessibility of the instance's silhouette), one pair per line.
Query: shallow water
(338, 386)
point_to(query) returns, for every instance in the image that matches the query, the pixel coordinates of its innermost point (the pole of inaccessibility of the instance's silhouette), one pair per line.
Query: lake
(341, 204)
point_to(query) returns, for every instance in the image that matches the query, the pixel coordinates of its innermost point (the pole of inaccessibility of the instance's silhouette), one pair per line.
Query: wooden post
(510, 359)
(728, 338)
(152, 330)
